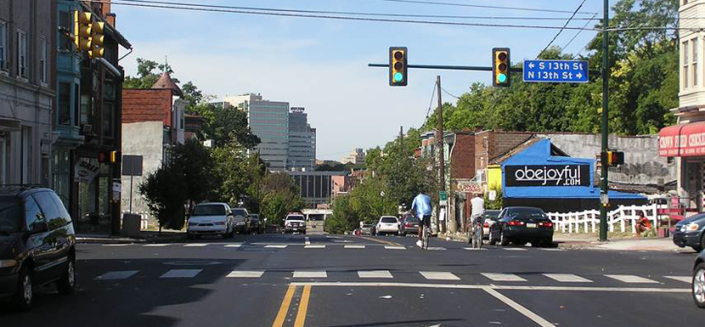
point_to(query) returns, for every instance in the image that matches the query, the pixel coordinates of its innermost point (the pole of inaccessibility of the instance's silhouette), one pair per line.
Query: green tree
(146, 77)
(280, 196)
(225, 124)
(164, 191)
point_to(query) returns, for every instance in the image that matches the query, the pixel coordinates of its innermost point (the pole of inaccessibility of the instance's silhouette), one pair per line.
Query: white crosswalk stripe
(513, 249)
(354, 246)
(116, 245)
(245, 274)
(196, 244)
(233, 245)
(632, 279)
(276, 246)
(181, 273)
(438, 275)
(314, 246)
(116, 275)
(568, 278)
(436, 248)
(156, 245)
(503, 277)
(553, 249)
(389, 247)
(685, 279)
(375, 274)
(310, 274)
(474, 249)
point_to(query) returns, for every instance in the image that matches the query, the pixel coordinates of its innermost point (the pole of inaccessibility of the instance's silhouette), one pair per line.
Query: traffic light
(115, 156)
(82, 30)
(398, 66)
(615, 158)
(102, 157)
(500, 67)
(97, 38)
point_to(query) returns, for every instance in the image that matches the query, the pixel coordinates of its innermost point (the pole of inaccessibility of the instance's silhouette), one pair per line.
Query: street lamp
(381, 194)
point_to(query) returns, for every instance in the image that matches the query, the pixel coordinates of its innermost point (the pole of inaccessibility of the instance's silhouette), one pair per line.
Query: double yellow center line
(286, 303)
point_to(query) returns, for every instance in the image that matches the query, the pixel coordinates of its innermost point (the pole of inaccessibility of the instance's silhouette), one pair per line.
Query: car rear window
(316, 217)
(493, 214)
(239, 212)
(389, 220)
(209, 210)
(10, 215)
(295, 218)
(412, 220)
(525, 213)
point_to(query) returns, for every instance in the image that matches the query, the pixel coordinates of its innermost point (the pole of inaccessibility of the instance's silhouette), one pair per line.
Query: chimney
(105, 8)
(110, 18)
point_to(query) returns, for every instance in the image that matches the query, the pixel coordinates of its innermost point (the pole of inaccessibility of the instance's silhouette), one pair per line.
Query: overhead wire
(433, 96)
(561, 30)
(484, 6)
(448, 93)
(578, 33)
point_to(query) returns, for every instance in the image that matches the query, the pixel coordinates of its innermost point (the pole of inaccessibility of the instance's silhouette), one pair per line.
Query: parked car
(368, 229)
(210, 219)
(387, 225)
(256, 226)
(242, 220)
(491, 217)
(409, 225)
(698, 288)
(37, 244)
(295, 222)
(690, 232)
(520, 225)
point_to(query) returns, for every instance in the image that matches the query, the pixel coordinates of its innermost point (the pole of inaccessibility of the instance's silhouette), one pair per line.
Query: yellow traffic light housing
(501, 64)
(398, 66)
(115, 156)
(615, 158)
(82, 30)
(97, 50)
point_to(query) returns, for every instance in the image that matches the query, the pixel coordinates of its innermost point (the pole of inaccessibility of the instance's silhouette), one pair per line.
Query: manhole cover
(193, 263)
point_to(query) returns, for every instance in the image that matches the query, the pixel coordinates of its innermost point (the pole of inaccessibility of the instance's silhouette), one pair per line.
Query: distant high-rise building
(356, 157)
(302, 141)
(269, 120)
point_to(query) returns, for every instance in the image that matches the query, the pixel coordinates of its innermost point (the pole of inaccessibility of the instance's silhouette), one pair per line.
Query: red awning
(685, 140)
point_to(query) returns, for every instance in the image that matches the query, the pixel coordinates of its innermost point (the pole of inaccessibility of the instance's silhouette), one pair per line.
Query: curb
(126, 240)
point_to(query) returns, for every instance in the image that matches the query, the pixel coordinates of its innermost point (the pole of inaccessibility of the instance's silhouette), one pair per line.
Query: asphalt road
(331, 281)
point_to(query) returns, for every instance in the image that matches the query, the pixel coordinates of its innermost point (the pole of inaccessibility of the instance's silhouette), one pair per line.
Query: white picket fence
(588, 221)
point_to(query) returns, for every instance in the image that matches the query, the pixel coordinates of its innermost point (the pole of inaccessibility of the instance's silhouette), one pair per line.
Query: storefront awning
(684, 140)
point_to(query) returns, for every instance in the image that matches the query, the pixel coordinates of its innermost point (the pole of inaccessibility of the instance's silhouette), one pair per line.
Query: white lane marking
(568, 278)
(632, 279)
(474, 249)
(245, 274)
(181, 273)
(354, 246)
(233, 245)
(156, 245)
(375, 274)
(389, 247)
(315, 246)
(308, 241)
(438, 275)
(114, 275)
(685, 279)
(310, 274)
(552, 249)
(196, 244)
(503, 277)
(276, 246)
(436, 248)
(514, 249)
(116, 245)
(500, 287)
(518, 307)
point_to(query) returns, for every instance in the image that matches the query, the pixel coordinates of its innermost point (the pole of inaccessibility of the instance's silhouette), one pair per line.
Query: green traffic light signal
(501, 78)
(398, 77)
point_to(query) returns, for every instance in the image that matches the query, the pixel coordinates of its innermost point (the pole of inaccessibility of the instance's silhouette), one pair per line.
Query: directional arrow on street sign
(556, 71)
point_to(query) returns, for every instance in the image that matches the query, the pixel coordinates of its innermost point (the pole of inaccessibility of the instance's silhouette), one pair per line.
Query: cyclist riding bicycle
(423, 208)
(478, 211)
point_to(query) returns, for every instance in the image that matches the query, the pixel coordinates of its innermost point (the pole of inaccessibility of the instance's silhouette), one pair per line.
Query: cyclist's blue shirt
(422, 205)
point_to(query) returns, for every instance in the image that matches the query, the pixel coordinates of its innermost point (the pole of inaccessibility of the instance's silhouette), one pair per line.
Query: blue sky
(322, 64)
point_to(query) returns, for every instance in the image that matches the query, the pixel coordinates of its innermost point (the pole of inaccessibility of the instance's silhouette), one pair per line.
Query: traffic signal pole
(604, 186)
(441, 155)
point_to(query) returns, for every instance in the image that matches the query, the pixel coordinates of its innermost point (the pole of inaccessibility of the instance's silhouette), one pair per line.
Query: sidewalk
(145, 237)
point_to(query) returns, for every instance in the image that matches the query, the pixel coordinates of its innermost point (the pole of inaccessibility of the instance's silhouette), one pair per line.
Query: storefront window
(108, 114)
(64, 111)
(104, 194)
(61, 174)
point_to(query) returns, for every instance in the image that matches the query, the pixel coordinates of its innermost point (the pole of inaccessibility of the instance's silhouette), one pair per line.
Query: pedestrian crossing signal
(398, 66)
(501, 64)
(615, 158)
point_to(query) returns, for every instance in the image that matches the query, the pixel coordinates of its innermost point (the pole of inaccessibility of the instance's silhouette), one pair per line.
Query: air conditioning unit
(87, 129)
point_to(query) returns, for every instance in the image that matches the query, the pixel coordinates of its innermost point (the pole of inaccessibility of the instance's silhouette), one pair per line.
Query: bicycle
(476, 236)
(424, 237)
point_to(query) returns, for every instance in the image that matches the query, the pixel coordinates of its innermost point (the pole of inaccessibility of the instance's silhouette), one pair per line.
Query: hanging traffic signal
(615, 158)
(82, 30)
(398, 66)
(97, 38)
(500, 67)
(115, 156)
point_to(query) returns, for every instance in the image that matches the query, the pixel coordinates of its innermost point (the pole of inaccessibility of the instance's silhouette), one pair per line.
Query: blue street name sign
(556, 71)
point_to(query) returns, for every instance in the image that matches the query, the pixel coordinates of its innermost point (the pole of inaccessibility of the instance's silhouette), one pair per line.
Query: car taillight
(486, 225)
(515, 223)
(408, 225)
(546, 224)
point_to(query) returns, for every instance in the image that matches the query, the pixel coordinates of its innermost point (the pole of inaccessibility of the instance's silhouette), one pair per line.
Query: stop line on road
(327, 246)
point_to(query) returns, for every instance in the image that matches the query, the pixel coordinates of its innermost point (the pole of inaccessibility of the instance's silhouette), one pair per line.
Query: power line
(433, 96)
(448, 93)
(578, 33)
(484, 6)
(561, 30)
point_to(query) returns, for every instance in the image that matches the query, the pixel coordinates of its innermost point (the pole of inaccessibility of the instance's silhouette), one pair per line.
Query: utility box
(131, 224)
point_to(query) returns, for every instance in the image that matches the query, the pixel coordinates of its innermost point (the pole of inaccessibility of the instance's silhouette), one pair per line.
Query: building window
(64, 104)
(65, 24)
(685, 64)
(3, 45)
(695, 45)
(85, 109)
(21, 54)
(27, 152)
(43, 78)
(108, 114)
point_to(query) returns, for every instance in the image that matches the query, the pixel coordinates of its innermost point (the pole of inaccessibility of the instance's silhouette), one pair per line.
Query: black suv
(37, 244)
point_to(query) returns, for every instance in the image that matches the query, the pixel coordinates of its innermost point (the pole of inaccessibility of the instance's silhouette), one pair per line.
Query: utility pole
(604, 186)
(401, 138)
(439, 137)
